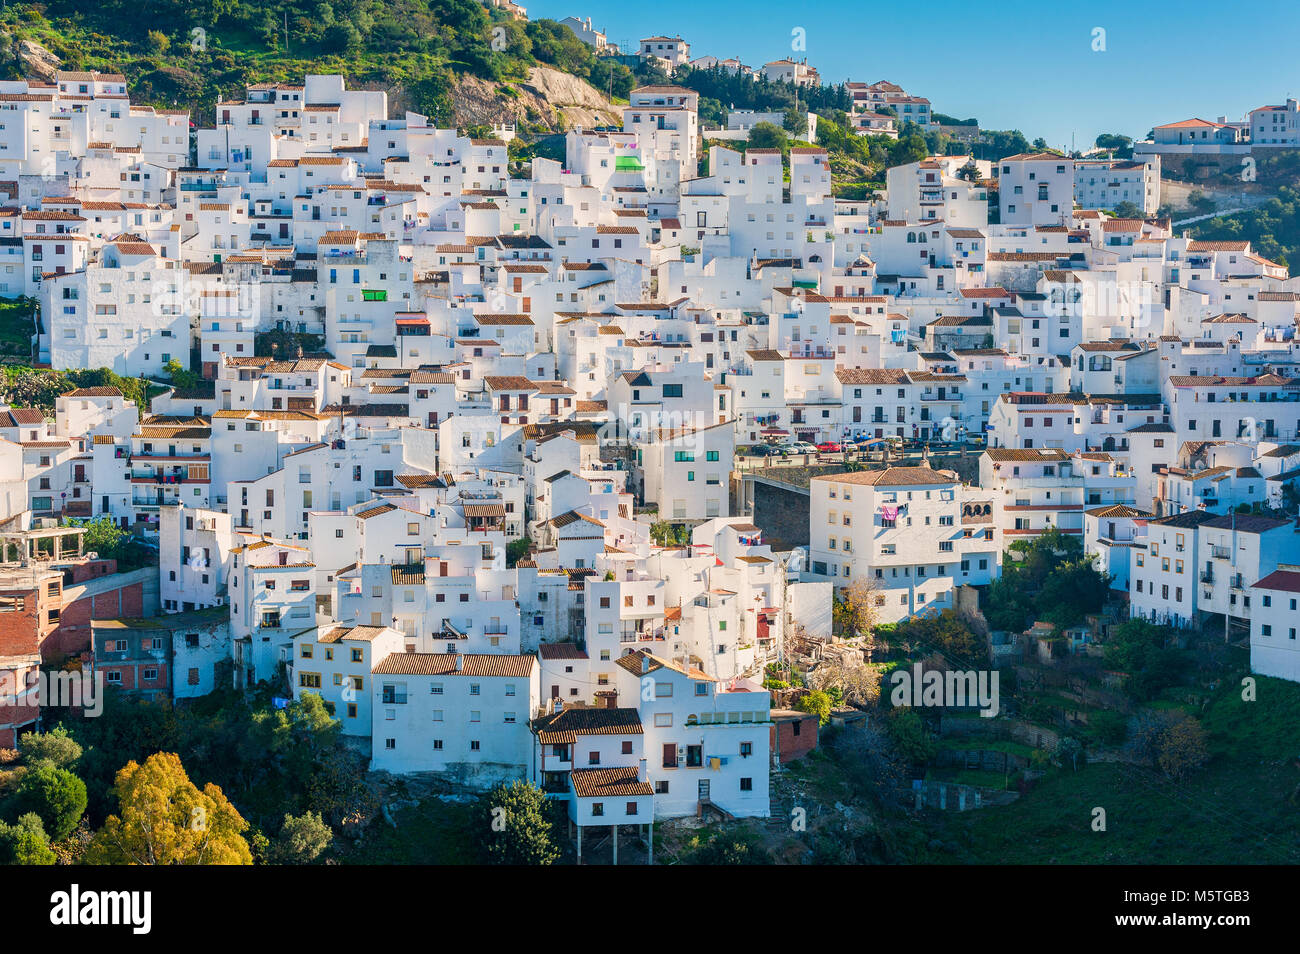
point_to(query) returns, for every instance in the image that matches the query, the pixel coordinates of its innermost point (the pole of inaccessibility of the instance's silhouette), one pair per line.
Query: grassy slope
(1241, 809)
(431, 833)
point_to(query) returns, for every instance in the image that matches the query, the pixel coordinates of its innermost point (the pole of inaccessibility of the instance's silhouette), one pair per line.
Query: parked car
(802, 447)
(760, 450)
(830, 447)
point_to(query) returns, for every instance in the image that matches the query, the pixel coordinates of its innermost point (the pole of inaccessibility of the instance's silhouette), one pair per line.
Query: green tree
(1121, 147)
(768, 136)
(795, 122)
(908, 734)
(181, 376)
(25, 843)
(54, 794)
(516, 550)
(908, 148)
(1108, 727)
(55, 747)
(514, 826)
(817, 703)
(731, 849)
(103, 536)
(1131, 645)
(302, 840)
(166, 820)
(1071, 591)
(1128, 210)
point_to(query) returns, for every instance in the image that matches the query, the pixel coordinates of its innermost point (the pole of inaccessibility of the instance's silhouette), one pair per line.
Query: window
(746, 784)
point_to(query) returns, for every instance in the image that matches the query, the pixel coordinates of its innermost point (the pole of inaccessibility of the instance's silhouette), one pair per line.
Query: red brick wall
(792, 746)
(73, 633)
(18, 630)
(133, 676)
(92, 570)
(13, 719)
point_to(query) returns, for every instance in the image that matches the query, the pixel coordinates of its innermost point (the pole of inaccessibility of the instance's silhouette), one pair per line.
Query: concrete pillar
(943, 797)
(651, 826)
(961, 799)
(614, 832)
(920, 799)
(579, 844)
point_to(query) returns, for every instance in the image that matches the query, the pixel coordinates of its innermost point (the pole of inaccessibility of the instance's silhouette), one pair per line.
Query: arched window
(911, 238)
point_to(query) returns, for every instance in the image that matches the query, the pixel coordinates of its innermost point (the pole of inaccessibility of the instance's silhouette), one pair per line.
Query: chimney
(460, 662)
(641, 772)
(645, 663)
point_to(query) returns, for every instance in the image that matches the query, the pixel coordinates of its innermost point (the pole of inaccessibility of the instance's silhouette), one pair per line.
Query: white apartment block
(915, 533)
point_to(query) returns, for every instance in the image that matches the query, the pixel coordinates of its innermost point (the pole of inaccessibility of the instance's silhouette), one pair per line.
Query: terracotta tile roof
(363, 633)
(1119, 510)
(1286, 580)
(564, 727)
(632, 662)
(892, 477)
(444, 664)
(609, 783)
(561, 651)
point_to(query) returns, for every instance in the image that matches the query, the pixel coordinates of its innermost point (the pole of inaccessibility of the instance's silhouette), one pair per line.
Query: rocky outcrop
(556, 100)
(36, 62)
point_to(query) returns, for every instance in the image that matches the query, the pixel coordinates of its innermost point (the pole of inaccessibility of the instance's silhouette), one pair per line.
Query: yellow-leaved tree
(163, 819)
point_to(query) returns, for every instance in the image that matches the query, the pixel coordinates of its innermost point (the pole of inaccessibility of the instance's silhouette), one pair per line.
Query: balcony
(1207, 577)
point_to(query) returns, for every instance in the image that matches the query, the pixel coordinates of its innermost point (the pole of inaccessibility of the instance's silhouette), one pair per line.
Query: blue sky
(1009, 63)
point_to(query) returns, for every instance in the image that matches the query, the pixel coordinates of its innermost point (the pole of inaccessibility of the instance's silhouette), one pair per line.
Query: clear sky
(1013, 64)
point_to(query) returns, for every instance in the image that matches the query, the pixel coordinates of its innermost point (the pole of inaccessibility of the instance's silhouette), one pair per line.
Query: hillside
(453, 60)
(1273, 229)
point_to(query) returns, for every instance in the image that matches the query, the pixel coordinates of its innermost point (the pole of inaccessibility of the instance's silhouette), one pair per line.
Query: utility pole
(286, 30)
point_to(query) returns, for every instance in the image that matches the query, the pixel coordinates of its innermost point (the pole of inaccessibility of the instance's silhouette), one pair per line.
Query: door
(670, 755)
(704, 789)
(555, 692)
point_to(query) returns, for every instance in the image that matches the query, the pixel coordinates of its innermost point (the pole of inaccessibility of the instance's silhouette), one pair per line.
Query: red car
(829, 447)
